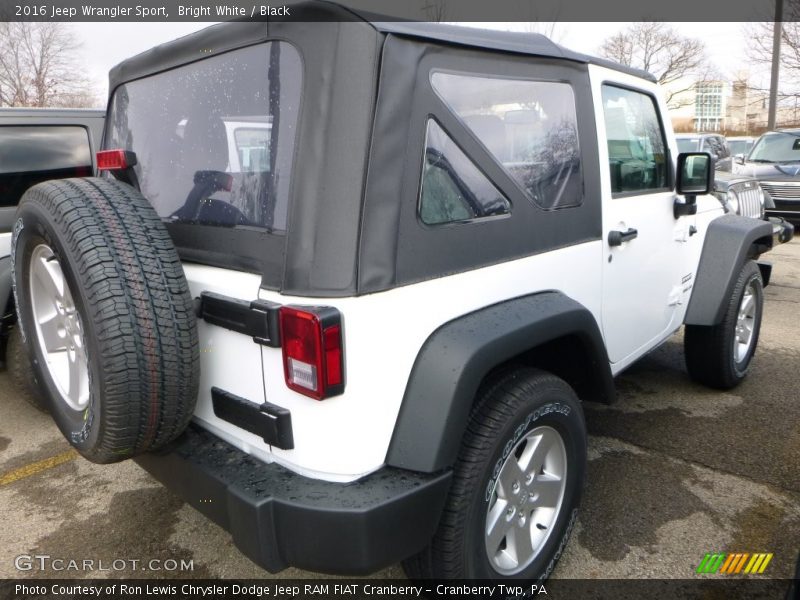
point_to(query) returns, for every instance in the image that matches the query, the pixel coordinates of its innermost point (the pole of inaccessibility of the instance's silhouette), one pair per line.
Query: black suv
(775, 162)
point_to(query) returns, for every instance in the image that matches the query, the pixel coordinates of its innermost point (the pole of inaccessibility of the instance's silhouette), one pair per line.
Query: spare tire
(103, 300)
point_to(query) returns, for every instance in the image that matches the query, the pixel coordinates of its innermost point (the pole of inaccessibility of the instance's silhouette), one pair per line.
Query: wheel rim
(526, 500)
(59, 331)
(745, 324)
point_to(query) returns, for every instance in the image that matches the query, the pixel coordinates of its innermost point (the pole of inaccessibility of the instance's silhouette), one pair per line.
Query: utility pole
(777, 31)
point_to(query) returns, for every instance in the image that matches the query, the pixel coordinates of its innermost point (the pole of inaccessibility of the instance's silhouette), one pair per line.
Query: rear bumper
(280, 519)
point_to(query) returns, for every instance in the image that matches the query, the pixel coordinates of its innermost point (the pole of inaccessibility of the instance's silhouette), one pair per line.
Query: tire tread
(141, 311)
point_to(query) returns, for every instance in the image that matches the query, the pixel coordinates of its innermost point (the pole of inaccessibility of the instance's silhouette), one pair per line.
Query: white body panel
(228, 360)
(347, 436)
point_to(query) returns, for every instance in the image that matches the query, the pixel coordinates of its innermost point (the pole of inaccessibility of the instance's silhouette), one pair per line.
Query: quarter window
(637, 156)
(530, 127)
(453, 188)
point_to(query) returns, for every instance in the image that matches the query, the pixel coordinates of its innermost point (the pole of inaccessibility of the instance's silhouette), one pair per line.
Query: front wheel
(516, 485)
(719, 356)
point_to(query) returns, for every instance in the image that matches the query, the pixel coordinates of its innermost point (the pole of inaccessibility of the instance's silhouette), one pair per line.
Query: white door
(644, 243)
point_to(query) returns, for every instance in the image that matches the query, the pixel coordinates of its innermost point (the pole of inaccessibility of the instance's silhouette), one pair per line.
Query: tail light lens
(115, 160)
(313, 358)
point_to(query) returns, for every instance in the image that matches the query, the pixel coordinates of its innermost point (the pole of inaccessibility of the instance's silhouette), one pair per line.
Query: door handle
(617, 238)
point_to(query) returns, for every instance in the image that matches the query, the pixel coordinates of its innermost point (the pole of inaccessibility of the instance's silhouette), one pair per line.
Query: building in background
(729, 107)
(710, 103)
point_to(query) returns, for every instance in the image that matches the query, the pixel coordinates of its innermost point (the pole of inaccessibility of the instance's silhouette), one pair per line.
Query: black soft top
(223, 37)
(532, 44)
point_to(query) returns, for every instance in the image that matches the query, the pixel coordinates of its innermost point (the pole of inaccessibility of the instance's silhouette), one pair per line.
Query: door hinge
(257, 318)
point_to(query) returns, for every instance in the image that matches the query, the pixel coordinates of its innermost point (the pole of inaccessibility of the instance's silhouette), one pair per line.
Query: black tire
(709, 351)
(508, 409)
(20, 370)
(136, 321)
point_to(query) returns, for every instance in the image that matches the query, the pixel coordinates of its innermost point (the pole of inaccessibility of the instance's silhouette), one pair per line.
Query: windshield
(214, 139)
(688, 144)
(776, 147)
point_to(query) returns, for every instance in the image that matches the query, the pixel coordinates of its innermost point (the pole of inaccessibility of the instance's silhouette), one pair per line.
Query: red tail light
(115, 160)
(313, 360)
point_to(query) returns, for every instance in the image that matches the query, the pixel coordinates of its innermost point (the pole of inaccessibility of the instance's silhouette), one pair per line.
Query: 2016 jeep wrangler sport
(343, 285)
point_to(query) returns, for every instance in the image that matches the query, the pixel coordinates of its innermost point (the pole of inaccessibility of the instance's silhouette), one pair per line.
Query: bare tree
(676, 61)
(39, 66)
(759, 50)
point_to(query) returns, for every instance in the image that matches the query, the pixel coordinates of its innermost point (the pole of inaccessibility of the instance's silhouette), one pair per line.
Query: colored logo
(734, 563)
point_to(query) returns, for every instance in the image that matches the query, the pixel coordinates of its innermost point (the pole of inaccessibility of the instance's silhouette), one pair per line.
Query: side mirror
(695, 176)
(739, 158)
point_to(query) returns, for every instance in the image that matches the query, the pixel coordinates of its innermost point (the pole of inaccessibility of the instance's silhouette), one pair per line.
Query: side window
(724, 151)
(712, 147)
(530, 127)
(453, 188)
(636, 148)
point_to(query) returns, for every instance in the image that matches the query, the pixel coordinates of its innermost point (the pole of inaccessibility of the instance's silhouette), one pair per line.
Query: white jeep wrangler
(343, 285)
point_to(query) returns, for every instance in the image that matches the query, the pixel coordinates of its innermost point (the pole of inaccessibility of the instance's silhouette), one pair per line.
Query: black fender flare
(456, 358)
(730, 241)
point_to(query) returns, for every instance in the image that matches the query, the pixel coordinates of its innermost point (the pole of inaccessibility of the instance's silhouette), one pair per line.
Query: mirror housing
(739, 158)
(695, 176)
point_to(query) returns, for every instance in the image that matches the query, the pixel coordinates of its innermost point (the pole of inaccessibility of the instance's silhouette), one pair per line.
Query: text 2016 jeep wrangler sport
(343, 285)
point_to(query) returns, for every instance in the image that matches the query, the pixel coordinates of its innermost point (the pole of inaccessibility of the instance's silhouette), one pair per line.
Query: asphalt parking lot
(675, 471)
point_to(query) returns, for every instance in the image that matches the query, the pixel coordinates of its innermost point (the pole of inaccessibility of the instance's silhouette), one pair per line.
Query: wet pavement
(675, 471)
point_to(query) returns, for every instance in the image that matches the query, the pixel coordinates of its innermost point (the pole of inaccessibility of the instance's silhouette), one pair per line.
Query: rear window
(35, 153)
(214, 139)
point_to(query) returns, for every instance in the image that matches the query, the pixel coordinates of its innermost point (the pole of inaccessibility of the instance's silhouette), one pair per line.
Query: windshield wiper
(760, 160)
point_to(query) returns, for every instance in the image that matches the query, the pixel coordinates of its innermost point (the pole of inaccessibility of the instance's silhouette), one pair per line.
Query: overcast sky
(106, 44)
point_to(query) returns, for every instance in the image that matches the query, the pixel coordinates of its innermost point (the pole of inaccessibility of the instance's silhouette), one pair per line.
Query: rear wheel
(106, 309)
(720, 356)
(516, 486)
